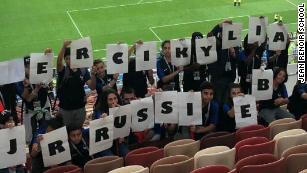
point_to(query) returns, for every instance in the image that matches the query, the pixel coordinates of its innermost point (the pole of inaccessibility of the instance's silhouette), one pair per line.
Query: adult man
(71, 88)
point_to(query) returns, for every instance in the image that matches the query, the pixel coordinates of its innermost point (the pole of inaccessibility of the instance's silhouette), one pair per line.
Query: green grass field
(33, 25)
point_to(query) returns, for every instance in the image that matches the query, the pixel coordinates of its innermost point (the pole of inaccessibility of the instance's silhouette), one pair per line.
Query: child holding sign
(270, 110)
(210, 112)
(7, 121)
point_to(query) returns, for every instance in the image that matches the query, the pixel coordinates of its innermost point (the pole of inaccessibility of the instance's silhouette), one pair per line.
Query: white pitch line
(155, 34)
(123, 5)
(200, 21)
(139, 1)
(74, 23)
(292, 3)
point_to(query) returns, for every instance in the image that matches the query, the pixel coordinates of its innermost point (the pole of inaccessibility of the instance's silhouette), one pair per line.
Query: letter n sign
(81, 53)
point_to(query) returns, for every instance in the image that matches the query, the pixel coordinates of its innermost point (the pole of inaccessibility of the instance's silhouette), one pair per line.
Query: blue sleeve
(284, 92)
(301, 89)
(242, 55)
(160, 71)
(86, 75)
(97, 114)
(226, 108)
(19, 88)
(214, 113)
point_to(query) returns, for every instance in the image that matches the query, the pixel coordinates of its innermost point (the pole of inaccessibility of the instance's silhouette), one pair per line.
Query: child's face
(207, 95)
(234, 92)
(10, 123)
(100, 69)
(75, 136)
(112, 100)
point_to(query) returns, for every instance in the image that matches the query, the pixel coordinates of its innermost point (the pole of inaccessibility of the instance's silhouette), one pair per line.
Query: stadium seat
(261, 163)
(128, 169)
(218, 155)
(252, 131)
(144, 156)
(103, 164)
(186, 147)
(303, 171)
(212, 169)
(281, 121)
(277, 128)
(296, 158)
(173, 164)
(253, 146)
(65, 169)
(288, 139)
(218, 139)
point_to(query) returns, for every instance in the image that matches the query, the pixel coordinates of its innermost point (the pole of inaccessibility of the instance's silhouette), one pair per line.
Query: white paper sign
(262, 84)
(60, 136)
(278, 35)
(146, 56)
(81, 53)
(180, 52)
(206, 50)
(122, 121)
(41, 68)
(8, 156)
(166, 110)
(189, 108)
(117, 55)
(103, 126)
(231, 36)
(12, 71)
(257, 30)
(245, 110)
(142, 114)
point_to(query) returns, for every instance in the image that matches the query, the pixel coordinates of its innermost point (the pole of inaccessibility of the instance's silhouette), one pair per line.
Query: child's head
(54, 123)
(234, 90)
(74, 134)
(207, 92)
(6, 120)
(127, 95)
(100, 67)
(280, 75)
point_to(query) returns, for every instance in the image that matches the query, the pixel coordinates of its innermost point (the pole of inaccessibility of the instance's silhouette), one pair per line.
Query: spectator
(128, 95)
(298, 100)
(111, 99)
(167, 73)
(194, 74)
(35, 149)
(223, 71)
(7, 121)
(250, 58)
(210, 112)
(270, 110)
(104, 81)
(8, 99)
(79, 146)
(36, 101)
(70, 88)
(137, 80)
(227, 121)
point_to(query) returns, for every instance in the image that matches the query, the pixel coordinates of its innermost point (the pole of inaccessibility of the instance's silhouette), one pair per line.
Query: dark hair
(230, 87)
(276, 71)
(67, 52)
(127, 90)
(206, 85)
(5, 117)
(164, 42)
(26, 60)
(55, 123)
(98, 61)
(71, 128)
(102, 105)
